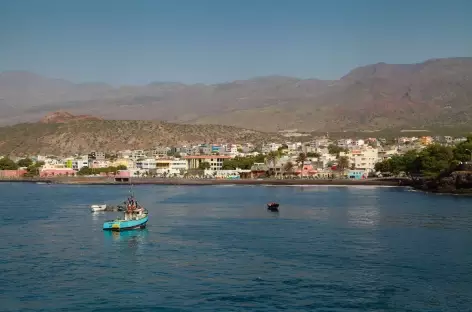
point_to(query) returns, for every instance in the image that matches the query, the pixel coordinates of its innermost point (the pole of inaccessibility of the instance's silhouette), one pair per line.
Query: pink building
(307, 170)
(54, 172)
(123, 174)
(12, 173)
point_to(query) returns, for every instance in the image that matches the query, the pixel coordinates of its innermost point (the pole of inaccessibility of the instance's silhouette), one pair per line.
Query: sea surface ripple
(215, 248)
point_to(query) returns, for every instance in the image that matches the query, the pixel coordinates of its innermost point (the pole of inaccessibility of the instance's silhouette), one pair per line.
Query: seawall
(177, 181)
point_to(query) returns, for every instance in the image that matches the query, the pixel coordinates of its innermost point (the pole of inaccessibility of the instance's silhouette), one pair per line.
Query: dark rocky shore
(457, 182)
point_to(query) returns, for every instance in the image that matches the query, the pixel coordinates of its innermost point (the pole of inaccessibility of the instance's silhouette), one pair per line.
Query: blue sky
(137, 42)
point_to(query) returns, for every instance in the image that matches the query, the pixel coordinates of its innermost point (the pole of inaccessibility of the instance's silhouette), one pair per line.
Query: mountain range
(436, 92)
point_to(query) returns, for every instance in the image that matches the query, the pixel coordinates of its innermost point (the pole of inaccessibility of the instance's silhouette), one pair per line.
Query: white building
(271, 147)
(325, 159)
(98, 163)
(178, 164)
(80, 162)
(359, 142)
(137, 154)
(344, 142)
(124, 154)
(172, 166)
(364, 158)
(160, 151)
(226, 174)
(232, 149)
(146, 164)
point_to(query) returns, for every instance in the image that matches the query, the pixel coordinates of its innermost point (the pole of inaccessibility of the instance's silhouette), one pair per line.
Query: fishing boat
(273, 206)
(96, 208)
(135, 217)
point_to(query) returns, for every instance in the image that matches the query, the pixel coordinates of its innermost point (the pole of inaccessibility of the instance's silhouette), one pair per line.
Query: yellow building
(426, 140)
(123, 162)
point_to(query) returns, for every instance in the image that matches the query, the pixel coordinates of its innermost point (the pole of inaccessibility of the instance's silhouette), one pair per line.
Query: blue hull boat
(123, 225)
(135, 217)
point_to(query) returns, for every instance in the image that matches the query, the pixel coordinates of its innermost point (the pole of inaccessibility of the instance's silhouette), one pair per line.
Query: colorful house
(68, 163)
(306, 171)
(357, 174)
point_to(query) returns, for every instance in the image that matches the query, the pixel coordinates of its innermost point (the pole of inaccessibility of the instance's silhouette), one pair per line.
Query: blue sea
(217, 248)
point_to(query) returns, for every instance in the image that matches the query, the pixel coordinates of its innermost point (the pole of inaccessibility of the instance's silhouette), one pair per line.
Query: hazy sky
(136, 42)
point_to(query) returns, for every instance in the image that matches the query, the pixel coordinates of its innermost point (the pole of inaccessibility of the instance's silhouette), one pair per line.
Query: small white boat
(98, 208)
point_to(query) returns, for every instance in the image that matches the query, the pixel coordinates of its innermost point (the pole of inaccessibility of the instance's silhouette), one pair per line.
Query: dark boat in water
(273, 206)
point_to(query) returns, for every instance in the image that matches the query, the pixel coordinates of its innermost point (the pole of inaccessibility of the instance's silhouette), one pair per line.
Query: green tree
(434, 160)
(85, 171)
(242, 162)
(7, 164)
(313, 155)
(383, 166)
(343, 163)
(282, 149)
(463, 150)
(399, 163)
(271, 159)
(33, 169)
(25, 162)
(336, 150)
(204, 165)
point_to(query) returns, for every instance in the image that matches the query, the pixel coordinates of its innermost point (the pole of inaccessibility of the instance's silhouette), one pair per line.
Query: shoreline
(107, 181)
(189, 182)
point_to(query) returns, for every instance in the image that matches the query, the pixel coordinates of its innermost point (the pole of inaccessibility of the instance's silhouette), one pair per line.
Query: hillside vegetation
(112, 135)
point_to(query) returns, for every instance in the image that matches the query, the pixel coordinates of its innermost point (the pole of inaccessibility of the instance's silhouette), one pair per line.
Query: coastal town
(320, 158)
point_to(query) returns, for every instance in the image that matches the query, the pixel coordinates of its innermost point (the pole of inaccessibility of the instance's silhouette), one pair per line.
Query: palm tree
(343, 163)
(288, 168)
(301, 162)
(271, 159)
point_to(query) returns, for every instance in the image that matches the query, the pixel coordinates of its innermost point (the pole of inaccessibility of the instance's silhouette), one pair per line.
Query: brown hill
(63, 117)
(435, 92)
(112, 135)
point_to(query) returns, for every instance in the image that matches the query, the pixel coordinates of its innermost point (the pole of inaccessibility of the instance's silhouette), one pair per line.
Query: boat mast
(131, 188)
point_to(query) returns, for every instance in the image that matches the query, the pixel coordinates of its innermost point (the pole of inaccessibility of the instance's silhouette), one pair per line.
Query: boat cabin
(134, 214)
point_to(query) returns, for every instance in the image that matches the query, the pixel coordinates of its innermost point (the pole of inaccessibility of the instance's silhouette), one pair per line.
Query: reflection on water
(97, 215)
(137, 236)
(363, 209)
